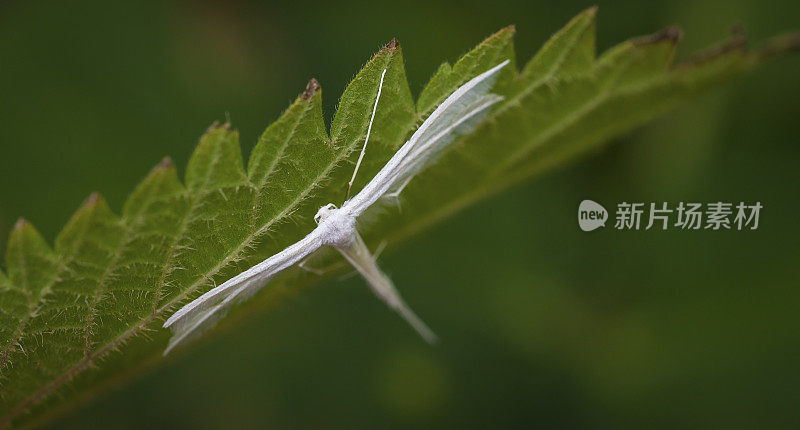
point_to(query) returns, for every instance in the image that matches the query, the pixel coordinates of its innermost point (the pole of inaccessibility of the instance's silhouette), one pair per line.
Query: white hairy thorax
(337, 227)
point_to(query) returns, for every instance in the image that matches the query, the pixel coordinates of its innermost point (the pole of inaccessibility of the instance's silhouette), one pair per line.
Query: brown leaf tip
(737, 31)
(20, 224)
(784, 43)
(670, 34)
(166, 163)
(93, 199)
(501, 33)
(214, 125)
(737, 42)
(311, 88)
(673, 34)
(392, 45)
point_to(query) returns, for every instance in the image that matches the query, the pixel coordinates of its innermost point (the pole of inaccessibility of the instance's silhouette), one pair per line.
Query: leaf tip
(311, 88)
(671, 34)
(507, 31)
(777, 45)
(216, 126)
(392, 45)
(93, 199)
(738, 32)
(165, 163)
(736, 43)
(19, 225)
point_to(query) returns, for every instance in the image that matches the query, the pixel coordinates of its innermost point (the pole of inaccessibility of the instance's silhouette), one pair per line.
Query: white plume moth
(459, 114)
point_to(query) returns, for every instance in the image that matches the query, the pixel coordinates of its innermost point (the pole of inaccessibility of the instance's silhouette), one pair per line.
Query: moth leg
(379, 249)
(307, 265)
(304, 264)
(395, 195)
(345, 276)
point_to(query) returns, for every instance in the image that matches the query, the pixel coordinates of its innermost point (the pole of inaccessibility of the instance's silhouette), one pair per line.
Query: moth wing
(457, 104)
(359, 256)
(433, 148)
(206, 315)
(202, 313)
(459, 114)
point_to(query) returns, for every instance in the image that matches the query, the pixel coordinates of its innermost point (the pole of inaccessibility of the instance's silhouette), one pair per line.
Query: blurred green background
(542, 325)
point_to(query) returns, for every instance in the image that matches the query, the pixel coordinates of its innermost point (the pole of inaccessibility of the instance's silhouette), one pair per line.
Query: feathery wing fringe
(201, 314)
(459, 114)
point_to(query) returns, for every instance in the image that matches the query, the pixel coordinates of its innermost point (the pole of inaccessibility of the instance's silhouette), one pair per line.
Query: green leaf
(76, 318)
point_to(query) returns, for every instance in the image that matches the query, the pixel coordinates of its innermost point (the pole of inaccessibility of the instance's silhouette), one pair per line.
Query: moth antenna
(366, 140)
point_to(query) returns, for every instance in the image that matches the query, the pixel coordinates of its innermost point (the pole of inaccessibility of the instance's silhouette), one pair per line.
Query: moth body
(337, 226)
